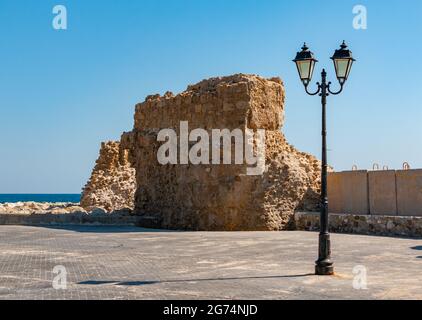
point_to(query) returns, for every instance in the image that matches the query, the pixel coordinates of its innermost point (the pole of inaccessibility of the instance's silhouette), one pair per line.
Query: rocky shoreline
(56, 208)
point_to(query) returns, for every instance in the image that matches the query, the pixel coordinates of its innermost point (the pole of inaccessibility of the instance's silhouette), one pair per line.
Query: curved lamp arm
(334, 93)
(315, 93)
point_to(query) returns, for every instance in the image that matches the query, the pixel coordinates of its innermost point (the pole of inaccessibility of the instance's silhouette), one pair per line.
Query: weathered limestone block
(223, 196)
(112, 184)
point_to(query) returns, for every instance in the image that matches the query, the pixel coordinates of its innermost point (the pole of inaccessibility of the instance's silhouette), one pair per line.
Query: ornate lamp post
(305, 62)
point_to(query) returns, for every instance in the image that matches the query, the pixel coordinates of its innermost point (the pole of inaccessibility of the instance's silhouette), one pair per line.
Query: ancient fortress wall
(219, 196)
(112, 184)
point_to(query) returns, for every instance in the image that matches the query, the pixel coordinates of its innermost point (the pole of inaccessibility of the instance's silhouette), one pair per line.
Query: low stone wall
(42, 219)
(62, 213)
(304, 221)
(363, 224)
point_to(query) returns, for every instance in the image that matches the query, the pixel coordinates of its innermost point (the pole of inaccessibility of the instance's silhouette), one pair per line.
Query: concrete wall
(409, 192)
(382, 192)
(386, 192)
(348, 192)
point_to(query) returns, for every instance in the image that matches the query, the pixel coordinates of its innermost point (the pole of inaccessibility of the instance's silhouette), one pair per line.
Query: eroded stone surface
(112, 183)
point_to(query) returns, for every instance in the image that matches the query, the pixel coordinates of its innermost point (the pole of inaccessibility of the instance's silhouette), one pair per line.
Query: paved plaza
(134, 263)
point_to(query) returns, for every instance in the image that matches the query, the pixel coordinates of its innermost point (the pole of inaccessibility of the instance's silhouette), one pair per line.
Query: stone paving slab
(133, 263)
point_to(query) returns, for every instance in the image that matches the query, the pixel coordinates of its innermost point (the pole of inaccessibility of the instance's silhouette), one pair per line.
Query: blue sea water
(40, 198)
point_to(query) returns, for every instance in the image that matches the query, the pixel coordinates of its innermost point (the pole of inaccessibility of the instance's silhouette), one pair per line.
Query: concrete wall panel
(382, 192)
(348, 192)
(409, 192)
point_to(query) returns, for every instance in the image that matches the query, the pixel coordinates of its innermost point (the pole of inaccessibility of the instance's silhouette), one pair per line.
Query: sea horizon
(39, 197)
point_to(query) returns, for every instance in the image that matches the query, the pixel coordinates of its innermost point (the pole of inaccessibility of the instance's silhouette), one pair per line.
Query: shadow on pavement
(416, 248)
(103, 229)
(141, 283)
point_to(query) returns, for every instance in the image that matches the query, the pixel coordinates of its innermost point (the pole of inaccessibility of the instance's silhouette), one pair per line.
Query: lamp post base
(324, 270)
(324, 265)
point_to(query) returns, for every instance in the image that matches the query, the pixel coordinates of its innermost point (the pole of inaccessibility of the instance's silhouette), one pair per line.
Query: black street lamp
(305, 62)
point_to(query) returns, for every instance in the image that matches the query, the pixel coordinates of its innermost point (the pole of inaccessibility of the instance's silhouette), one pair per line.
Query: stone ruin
(207, 196)
(112, 184)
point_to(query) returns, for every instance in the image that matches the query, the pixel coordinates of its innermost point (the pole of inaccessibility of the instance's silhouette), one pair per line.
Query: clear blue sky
(63, 92)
